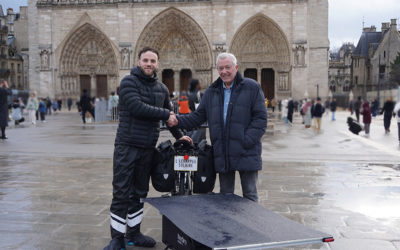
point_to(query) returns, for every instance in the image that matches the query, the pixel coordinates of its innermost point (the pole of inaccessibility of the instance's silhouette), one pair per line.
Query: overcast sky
(346, 17)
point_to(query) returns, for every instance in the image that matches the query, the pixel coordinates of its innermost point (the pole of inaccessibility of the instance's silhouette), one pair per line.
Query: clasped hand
(172, 120)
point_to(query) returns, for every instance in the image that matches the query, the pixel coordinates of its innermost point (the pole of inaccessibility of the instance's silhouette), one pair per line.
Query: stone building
(340, 69)
(11, 60)
(372, 59)
(92, 44)
(339, 74)
(4, 71)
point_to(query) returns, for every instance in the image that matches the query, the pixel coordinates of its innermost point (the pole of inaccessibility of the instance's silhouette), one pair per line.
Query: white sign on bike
(181, 164)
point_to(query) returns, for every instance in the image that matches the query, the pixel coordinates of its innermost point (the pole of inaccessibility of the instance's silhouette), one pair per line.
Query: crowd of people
(312, 111)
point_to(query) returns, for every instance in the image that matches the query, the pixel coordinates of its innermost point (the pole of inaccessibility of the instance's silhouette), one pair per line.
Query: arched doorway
(263, 54)
(183, 48)
(87, 61)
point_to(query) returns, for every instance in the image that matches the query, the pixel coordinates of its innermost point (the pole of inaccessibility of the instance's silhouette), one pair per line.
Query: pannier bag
(204, 178)
(162, 173)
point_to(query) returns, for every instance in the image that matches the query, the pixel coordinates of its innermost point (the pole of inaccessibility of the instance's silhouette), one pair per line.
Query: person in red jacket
(367, 117)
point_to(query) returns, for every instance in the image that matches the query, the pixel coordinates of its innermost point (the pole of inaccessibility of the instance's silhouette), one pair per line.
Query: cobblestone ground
(55, 184)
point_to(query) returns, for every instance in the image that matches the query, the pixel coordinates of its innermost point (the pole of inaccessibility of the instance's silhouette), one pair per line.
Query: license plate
(180, 164)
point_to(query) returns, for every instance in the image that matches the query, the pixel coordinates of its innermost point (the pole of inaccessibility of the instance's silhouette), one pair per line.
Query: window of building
(356, 80)
(368, 73)
(19, 68)
(19, 82)
(12, 66)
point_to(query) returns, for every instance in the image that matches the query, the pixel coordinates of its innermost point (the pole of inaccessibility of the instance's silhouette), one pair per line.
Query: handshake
(172, 120)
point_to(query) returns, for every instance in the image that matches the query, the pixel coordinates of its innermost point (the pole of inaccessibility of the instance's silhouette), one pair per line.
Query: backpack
(204, 177)
(162, 172)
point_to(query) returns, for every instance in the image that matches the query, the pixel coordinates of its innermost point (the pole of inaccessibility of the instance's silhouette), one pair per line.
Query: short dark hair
(193, 84)
(318, 98)
(145, 49)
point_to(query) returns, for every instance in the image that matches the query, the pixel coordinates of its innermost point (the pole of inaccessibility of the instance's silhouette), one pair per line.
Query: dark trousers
(91, 111)
(386, 121)
(42, 116)
(131, 176)
(248, 180)
(3, 131)
(290, 117)
(357, 114)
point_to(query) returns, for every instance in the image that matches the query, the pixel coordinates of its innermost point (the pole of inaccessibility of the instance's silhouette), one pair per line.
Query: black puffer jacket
(237, 145)
(143, 101)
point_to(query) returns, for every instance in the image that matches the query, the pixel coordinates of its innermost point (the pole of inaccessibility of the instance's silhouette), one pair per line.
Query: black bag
(204, 177)
(162, 173)
(354, 126)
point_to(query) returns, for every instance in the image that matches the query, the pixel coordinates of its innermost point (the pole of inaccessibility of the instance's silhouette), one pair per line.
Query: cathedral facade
(92, 44)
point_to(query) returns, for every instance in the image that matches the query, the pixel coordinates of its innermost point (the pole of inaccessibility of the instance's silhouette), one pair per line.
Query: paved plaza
(55, 183)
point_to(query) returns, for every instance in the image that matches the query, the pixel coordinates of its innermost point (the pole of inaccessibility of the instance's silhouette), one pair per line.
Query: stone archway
(260, 44)
(87, 61)
(182, 45)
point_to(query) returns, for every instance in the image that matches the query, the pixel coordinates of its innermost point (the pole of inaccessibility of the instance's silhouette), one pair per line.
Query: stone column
(259, 69)
(93, 88)
(177, 86)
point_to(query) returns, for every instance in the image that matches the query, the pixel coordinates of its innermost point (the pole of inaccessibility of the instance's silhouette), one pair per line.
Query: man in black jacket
(86, 105)
(144, 101)
(237, 118)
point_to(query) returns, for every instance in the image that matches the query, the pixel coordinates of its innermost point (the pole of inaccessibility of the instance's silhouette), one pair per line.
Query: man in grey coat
(236, 114)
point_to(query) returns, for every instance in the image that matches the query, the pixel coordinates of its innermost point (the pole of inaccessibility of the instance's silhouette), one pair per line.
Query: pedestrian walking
(327, 105)
(32, 106)
(16, 112)
(318, 111)
(86, 105)
(333, 106)
(285, 110)
(113, 101)
(387, 112)
(48, 105)
(55, 107)
(396, 112)
(374, 107)
(144, 101)
(42, 110)
(357, 107)
(351, 107)
(69, 103)
(59, 101)
(273, 105)
(290, 111)
(307, 113)
(235, 110)
(4, 93)
(367, 117)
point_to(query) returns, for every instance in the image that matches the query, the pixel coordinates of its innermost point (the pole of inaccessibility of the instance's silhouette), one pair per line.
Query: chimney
(385, 27)
(393, 24)
(370, 29)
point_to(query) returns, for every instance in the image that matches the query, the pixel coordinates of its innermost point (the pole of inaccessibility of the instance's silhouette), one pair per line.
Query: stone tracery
(89, 52)
(181, 42)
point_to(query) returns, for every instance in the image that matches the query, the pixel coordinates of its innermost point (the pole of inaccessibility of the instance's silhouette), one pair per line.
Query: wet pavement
(55, 184)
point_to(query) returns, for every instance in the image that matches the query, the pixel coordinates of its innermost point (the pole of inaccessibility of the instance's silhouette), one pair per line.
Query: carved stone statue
(44, 60)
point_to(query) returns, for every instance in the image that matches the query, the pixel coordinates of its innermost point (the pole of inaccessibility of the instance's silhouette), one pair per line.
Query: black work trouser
(131, 176)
